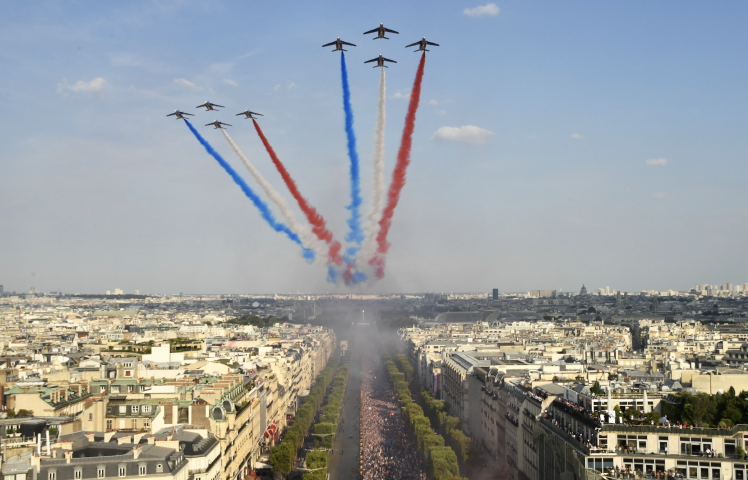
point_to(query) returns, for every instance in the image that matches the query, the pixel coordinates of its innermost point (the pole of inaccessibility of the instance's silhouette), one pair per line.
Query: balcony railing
(711, 432)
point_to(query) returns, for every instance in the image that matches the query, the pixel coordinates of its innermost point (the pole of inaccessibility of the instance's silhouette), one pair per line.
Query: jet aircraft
(380, 30)
(249, 114)
(218, 124)
(179, 114)
(209, 106)
(380, 61)
(338, 45)
(421, 45)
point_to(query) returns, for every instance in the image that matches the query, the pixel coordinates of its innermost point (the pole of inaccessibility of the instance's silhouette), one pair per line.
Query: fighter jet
(338, 45)
(180, 115)
(249, 114)
(421, 45)
(209, 106)
(380, 32)
(218, 124)
(380, 61)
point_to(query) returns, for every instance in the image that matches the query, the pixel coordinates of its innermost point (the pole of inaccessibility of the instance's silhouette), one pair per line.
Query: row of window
(101, 472)
(134, 408)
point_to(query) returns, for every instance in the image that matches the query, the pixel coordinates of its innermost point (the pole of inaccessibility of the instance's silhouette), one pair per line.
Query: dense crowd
(388, 451)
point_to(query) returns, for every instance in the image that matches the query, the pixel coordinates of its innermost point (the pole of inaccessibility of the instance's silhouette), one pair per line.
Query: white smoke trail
(377, 161)
(300, 230)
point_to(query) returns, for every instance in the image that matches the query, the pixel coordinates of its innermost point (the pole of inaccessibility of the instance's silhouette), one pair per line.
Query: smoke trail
(261, 206)
(318, 223)
(398, 175)
(355, 234)
(377, 163)
(288, 215)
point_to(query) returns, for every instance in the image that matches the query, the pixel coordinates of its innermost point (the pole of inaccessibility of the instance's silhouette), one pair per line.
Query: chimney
(151, 440)
(68, 455)
(136, 452)
(124, 439)
(48, 447)
(2, 397)
(90, 437)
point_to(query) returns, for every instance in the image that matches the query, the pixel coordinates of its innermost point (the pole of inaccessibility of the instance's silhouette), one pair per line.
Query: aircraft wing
(388, 60)
(391, 31)
(346, 43)
(431, 43)
(169, 115)
(203, 105)
(412, 45)
(329, 44)
(216, 105)
(227, 124)
(372, 31)
(185, 113)
(240, 114)
(208, 124)
(372, 60)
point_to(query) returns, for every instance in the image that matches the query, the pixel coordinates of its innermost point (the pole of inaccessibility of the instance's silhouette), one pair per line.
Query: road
(344, 459)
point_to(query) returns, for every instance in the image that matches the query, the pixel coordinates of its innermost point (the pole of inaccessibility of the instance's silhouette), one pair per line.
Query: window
(122, 470)
(146, 424)
(90, 417)
(134, 409)
(127, 364)
(142, 469)
(78, 474)
(123, 409)
(52, 475)
(134, 423)
(146, 409)
(100, 472)
(108, 424)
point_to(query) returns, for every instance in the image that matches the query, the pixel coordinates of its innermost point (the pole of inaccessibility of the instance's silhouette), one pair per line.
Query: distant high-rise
(583, 291)
(118, 291)
(495, 292)
(1, 289)
(137, 292)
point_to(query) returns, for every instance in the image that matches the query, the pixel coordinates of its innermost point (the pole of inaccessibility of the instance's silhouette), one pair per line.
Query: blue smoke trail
(261, 206)
(356, 233)
(332, 275)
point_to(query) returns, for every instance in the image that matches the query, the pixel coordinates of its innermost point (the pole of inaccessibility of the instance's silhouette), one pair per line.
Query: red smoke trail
(398, 175)
(318, 223)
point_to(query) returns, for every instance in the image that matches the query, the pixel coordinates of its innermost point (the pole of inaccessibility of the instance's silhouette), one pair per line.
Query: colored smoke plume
(315, 219)
(355, 233)
(377, 176)
(398, 175)
(276, 198)
(265, 212)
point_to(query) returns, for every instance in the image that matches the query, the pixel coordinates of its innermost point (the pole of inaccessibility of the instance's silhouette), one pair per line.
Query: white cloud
(230, 82)
(94, 85)
(277, 87)
(575, 136)
(658, 195)
(441, 112)
(291, 85)
(657, 162)
(187, 83)
(488, 9)
(465, 134)
(401, 94)
(433, 102)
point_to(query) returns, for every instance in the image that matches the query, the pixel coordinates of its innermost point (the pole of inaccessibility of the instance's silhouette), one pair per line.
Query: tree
(596, 389)
(698, 409)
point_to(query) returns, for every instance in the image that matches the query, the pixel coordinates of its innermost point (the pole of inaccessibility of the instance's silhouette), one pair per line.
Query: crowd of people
(389, 451)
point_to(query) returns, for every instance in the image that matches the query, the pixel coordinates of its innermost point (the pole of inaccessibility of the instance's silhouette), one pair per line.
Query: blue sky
(612, 147)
